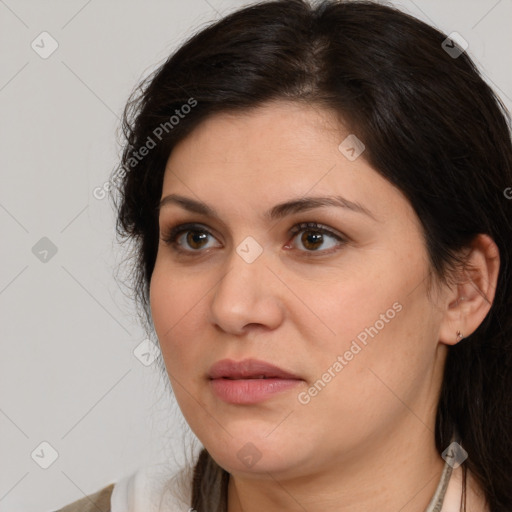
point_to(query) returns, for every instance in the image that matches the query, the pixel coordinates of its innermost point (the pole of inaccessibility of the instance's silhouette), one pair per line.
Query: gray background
(68, 373)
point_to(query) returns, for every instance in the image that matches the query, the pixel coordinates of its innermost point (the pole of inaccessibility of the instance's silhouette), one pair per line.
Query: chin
(256, 455)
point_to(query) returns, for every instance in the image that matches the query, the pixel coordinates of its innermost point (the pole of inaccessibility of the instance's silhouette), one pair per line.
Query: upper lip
(247, 369)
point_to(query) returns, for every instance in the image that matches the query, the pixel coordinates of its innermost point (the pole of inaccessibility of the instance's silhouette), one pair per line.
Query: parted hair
(432, 127)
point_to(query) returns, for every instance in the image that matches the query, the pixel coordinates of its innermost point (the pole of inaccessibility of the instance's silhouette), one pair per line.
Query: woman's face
(343, 312)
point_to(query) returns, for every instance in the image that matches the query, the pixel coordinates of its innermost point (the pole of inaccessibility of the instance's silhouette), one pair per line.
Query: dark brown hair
(431, 126)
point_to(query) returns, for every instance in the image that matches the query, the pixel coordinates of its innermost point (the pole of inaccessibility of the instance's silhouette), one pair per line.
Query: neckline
(436, 503)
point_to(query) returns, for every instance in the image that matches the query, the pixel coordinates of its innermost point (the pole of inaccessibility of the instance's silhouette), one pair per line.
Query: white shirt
(154, 489)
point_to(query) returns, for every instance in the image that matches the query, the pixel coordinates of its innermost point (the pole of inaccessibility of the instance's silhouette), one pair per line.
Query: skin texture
(366, 440)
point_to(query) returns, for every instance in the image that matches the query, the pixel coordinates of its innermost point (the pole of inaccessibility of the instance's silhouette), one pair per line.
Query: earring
(459, 336)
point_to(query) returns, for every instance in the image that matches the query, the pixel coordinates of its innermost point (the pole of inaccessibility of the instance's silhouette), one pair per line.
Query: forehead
(261, 157)
(278, 132)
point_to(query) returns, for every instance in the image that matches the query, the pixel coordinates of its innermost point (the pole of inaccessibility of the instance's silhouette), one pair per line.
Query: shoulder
(151, 488)
(97, 502)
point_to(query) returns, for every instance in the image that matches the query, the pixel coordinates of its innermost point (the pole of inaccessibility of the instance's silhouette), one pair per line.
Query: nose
(247, 297)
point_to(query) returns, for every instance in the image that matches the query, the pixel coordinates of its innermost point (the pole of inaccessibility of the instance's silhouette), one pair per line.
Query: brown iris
(311, 239)
(196, 237)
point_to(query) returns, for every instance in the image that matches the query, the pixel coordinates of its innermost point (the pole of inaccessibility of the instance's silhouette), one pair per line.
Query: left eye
(313, 236)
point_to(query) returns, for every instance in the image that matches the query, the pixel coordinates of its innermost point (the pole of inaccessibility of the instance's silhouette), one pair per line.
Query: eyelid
(316, 226)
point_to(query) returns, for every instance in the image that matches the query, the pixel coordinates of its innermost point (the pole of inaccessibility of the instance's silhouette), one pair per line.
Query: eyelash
(169, 236)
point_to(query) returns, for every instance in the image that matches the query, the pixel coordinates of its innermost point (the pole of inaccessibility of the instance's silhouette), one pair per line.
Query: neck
(400, 474)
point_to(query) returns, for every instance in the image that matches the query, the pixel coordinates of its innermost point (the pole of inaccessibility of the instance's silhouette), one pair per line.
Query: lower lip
(250, 391)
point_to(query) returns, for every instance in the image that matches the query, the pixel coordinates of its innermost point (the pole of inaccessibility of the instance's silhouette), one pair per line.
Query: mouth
(249, 381)
(248, 369)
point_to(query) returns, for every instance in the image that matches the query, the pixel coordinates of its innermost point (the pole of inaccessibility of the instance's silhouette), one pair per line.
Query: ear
(466, 306)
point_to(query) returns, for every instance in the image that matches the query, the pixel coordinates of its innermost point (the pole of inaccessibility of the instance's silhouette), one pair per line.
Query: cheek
(384, 354)
(344, 304)
(376, 320)
(178, 312)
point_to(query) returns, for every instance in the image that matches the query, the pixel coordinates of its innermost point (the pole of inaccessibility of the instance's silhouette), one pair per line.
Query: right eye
(193, 235)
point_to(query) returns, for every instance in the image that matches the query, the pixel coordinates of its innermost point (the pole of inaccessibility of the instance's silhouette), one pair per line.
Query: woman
(318, 201)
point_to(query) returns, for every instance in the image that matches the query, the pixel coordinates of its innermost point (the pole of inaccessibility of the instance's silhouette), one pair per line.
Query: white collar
(155, 488)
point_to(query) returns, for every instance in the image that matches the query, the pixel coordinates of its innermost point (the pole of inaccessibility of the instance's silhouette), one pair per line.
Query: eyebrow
(276, 212)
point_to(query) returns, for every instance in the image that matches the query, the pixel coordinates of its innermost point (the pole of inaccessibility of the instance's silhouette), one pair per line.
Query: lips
(248, 369)
(250, 381)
